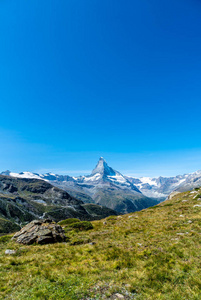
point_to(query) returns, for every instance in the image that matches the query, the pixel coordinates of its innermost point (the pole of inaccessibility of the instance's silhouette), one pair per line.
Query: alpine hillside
(152, 254)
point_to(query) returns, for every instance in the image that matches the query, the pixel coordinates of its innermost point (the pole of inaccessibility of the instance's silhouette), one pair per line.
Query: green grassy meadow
(151, 254)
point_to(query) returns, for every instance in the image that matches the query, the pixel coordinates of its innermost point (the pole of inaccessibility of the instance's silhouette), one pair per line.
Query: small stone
(184, 200)
(190, 221)
(181, 216)
(9, 251)
(119, 296)
(182, 233)
(92, 243)
(104, 223)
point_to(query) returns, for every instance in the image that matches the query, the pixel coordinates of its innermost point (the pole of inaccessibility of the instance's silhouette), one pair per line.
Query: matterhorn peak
(103, 168)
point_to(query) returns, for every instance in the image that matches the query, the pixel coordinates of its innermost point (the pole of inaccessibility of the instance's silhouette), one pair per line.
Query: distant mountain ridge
(161, 187)
(105, 186)
(110, 188)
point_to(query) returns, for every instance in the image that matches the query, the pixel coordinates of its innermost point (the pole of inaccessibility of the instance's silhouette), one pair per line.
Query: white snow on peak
(25, 175)
(93, 178)
(195, 173)
(148, 180)
(118, 178)
(178, 183)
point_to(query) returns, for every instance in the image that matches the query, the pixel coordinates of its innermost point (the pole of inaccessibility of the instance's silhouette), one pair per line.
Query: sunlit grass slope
(151, 254)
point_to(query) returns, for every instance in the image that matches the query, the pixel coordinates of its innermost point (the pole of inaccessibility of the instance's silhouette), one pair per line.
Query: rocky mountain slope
(105, 186)
(152, 254)
(161, 187)
(22, 200)
(191, 181)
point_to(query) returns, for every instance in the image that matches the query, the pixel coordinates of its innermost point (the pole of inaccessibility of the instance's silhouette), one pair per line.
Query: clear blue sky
(83, 79)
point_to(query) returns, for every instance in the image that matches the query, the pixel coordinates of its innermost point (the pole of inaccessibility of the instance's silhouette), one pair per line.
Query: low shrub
(82, 225)
(112, 218)
(5, 238)
(68, 221)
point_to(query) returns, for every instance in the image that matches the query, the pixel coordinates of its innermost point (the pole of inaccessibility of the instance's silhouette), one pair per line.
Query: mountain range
(108, 187)
(104, 186)
(162, 187)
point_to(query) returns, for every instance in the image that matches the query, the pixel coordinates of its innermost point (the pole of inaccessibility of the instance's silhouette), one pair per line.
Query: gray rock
(47, 239)
(92, 243)
(119, 296)
(40, 232)
(8, 251)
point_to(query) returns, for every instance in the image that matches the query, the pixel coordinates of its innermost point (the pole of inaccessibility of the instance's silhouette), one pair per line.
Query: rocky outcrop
(172, 195)
(40, 232)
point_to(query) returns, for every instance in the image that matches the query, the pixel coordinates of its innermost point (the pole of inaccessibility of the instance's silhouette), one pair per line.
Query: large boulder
(40, 232)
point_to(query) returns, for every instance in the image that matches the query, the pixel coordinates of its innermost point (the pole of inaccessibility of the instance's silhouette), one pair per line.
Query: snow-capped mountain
(104, 186)
(161, 187)
(103, 174)
(192, 181)
(46, 176)
(109, 187)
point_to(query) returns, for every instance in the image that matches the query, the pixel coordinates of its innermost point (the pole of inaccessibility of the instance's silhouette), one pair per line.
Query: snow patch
(148, 180)
(25, 175)
(118, 178)
(93, 178)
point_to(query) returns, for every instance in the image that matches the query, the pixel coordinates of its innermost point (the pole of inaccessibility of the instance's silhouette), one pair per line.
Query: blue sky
(84, 79)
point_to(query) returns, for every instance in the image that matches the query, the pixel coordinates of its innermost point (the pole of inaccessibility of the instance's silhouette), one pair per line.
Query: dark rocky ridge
(23, 200)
